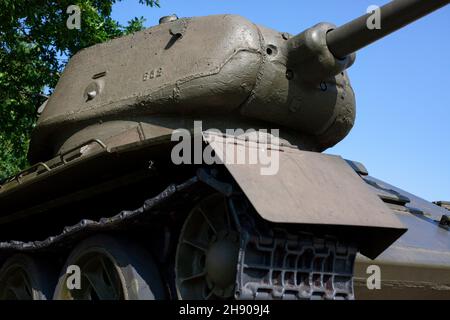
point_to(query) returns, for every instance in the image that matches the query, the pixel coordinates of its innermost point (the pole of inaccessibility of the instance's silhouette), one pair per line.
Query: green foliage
(35, 44)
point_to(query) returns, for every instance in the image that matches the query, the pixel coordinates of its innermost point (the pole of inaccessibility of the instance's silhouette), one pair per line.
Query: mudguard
(309, 188)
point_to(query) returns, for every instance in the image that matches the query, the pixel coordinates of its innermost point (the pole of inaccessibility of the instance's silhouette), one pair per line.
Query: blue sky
(402, 132)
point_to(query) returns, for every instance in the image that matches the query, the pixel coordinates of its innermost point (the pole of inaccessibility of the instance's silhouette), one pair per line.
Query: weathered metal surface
(412, 203)
(417, 266)
(310, 188)
(407, 279)
(211, 66)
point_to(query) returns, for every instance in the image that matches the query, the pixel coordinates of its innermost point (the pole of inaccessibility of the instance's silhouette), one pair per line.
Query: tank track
(277, 264)
(273, 262)
(85, 227)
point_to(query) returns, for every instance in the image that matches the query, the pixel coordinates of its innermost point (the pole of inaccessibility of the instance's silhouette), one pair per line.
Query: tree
(35, 45)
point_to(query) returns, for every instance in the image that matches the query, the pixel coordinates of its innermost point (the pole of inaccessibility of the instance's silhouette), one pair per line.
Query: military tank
(131, 197)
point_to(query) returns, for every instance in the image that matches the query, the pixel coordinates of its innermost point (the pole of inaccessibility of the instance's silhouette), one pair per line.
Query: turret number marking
(152, 74)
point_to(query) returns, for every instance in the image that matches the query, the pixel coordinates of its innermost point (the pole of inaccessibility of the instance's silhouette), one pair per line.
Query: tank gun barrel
(355, 35)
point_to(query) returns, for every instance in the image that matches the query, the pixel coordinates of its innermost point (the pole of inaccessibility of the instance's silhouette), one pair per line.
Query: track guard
(311, 189)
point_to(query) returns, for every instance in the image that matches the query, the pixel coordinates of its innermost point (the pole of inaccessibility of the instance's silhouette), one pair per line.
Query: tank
(186, 161)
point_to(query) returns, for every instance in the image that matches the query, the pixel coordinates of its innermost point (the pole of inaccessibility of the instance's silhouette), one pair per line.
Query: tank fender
(308, 188)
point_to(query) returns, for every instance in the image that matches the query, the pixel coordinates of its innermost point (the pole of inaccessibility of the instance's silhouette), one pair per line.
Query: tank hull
(424, 256)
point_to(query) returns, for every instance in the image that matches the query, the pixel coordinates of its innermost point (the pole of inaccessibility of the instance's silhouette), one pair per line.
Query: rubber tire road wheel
(26, 278)
(131, 269)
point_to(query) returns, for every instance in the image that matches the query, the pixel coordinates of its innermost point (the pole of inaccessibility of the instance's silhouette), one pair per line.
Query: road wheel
(110, 269)
(25, 278)
(207, 253)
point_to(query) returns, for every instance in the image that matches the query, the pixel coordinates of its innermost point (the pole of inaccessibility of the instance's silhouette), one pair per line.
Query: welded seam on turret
(260, 73)
(125, 102)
